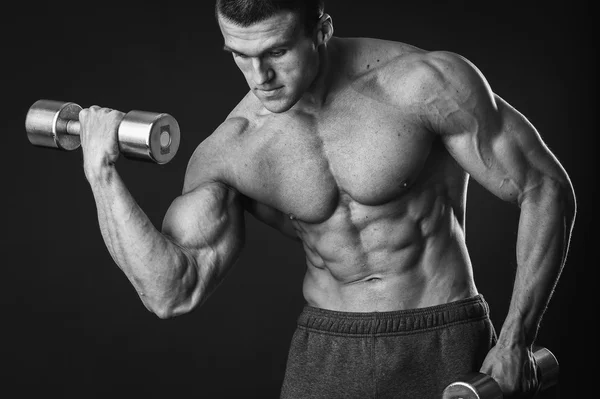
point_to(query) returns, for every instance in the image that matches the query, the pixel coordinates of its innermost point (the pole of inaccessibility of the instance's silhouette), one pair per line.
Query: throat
(316, 95)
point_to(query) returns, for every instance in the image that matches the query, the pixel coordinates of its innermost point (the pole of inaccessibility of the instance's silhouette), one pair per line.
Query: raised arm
(501, 149)
(203, 230)
(206, 228)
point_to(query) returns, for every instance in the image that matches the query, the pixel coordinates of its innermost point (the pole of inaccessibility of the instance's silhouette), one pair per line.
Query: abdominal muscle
(403, 255)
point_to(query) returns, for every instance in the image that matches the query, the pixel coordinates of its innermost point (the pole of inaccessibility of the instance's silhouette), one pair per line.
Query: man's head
(276, 45)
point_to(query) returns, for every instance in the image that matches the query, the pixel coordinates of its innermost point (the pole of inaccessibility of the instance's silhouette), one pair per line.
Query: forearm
(546, 221)
(160, 271)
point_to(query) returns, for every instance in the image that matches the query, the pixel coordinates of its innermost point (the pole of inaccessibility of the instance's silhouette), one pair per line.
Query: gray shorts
(402, 354)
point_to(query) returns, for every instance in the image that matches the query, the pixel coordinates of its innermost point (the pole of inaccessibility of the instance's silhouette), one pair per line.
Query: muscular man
(360, 149)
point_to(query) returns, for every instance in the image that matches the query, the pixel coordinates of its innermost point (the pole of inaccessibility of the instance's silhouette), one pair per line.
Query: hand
(514, 369)
(99, 140)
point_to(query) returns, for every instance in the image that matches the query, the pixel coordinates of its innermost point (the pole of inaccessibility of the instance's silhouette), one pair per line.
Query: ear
(324, 29)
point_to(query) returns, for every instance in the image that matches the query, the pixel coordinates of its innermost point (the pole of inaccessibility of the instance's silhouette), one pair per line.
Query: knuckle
(116, 115)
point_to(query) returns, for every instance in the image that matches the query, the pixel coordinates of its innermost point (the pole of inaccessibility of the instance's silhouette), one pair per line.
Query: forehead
(280, 28)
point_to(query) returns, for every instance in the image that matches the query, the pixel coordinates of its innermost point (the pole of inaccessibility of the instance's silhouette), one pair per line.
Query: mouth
(269, 92)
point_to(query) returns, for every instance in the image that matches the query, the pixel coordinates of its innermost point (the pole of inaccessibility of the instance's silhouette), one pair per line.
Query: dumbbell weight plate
(474, 386)
(46, 124)
(547, 367)
(149, 136)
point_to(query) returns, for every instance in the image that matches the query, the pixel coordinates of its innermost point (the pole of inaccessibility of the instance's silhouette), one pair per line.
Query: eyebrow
(229, 49)
(284, 43)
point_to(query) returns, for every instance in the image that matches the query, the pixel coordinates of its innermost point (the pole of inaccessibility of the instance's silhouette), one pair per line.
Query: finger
(83, 114)
(117, 115)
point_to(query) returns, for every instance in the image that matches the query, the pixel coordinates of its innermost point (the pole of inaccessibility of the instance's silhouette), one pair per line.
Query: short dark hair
(248, 12)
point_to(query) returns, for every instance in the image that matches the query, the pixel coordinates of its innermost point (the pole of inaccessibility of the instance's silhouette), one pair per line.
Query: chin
(278, 108)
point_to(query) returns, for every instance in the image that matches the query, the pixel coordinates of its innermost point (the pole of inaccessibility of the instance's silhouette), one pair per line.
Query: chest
(300, 163)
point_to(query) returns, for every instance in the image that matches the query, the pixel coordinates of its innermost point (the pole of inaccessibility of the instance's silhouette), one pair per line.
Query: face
(278, 59)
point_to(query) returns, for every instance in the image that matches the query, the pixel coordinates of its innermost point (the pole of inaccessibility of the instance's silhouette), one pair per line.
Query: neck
(316, 94)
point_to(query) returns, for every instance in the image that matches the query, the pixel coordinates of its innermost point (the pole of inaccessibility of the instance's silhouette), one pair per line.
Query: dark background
(74, 327)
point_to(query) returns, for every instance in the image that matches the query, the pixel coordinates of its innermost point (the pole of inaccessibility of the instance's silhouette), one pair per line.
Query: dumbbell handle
(70, 127)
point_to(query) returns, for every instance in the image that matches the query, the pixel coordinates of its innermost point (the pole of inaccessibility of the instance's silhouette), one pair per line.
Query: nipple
(405, 184)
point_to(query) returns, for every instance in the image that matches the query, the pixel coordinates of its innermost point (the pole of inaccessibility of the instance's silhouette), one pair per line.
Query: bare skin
(361, 150)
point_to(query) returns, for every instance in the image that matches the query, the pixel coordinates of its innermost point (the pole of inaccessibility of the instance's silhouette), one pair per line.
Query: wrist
(99, 175)
(515, 333)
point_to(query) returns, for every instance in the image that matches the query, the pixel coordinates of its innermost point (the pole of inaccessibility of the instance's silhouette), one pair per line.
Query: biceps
(208, 224)
(509, 161)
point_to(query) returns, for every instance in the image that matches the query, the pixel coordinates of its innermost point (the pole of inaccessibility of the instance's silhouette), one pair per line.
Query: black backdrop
(72, 324)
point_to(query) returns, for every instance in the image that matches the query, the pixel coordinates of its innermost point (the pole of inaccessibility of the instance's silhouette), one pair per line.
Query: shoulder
(436, 76)
(447, 71)
(403, 74)
(448, 94)
(451, 93)
(214, 160)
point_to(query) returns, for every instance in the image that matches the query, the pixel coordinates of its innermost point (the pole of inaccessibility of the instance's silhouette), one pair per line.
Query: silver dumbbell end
(149, 136)
(47, 124)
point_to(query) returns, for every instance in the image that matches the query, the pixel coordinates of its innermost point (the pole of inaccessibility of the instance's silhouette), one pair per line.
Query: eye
(277, 53)
(238, 55)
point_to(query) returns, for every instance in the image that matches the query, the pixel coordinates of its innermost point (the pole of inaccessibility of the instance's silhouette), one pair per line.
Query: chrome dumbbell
(142, 135)
(482, 386)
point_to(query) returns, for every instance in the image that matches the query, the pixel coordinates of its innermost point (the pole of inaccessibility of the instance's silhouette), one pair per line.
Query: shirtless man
(361, 150)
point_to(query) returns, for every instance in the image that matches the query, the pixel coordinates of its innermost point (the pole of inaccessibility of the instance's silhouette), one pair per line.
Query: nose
(261, 72)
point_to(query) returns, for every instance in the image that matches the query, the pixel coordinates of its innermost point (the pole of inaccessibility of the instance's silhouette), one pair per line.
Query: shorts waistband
(410, 320)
